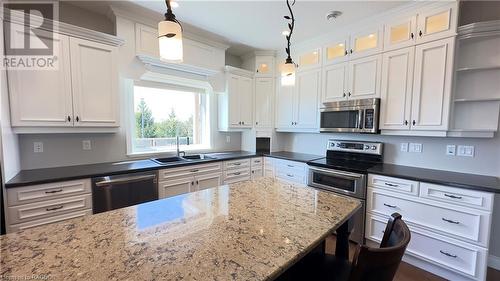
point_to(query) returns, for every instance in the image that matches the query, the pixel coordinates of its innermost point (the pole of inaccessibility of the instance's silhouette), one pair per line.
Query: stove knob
(367, 147)
(338, 144)
(374, 147)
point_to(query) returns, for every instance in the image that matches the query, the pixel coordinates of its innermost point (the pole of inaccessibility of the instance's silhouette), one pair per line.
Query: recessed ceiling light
(333, 15)
(285, 32)
(174, 4)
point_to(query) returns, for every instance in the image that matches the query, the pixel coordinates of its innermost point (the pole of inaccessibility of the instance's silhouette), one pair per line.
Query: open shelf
(478, 68)
(477, 100)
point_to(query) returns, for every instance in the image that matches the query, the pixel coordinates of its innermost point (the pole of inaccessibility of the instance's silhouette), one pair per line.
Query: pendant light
(288, 69)
(170, 37)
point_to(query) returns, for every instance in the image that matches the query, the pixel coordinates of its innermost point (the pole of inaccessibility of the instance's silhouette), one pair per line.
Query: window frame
(203, 89)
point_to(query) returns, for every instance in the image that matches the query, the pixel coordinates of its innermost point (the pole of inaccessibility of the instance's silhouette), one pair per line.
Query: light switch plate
(465, 150)
(86, 145)
(416, 147)
(404, 147)
(38, 147)
(451, 149)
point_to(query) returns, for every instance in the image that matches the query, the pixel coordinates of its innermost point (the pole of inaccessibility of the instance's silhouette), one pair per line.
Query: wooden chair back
(381, 264)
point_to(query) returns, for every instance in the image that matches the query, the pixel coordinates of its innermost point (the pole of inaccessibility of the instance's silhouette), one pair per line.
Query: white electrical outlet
(465, 151)
(38, 147)
(415, 147)
(86, 145)
(228, 138)
(404, 147)
(451, 149)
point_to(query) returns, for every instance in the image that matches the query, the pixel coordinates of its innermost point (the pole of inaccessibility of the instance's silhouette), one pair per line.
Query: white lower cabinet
(291, 171)
(450, 226)
(237, 170)
(42, 204)
(257, 165)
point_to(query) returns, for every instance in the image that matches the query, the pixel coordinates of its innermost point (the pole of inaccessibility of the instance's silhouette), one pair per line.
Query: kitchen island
(251, 230)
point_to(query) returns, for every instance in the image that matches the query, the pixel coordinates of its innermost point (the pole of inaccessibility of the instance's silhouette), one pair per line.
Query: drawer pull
(450, 221)
(237, 173)
(194, 171)
(448, 254)
(236, 164)
(390, 206)
(54, 191)
(289, 175)
(453, 196)
(55, 208)
(391, 184)
(291, 166)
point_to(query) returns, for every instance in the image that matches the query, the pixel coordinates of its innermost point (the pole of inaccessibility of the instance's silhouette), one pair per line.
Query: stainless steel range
(344, 171)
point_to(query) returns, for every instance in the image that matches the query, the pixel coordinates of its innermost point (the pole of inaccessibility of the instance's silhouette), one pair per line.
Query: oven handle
(342, 174)
(361, 115)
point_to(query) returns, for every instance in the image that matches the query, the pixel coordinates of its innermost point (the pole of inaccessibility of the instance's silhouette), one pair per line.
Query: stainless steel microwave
(352, 116)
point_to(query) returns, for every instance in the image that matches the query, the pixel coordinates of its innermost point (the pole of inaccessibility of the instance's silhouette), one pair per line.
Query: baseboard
(494, 262)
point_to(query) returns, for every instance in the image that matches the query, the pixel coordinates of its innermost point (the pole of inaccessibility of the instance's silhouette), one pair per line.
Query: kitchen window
(162, 113)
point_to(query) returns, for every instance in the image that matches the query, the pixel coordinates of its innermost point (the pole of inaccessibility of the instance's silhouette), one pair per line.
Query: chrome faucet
(178, 151)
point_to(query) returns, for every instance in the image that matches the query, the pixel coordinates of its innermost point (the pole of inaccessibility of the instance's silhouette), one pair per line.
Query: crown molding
(153, 63)
(66, 29)
(238, 71)
(258, 53)
(479, 29)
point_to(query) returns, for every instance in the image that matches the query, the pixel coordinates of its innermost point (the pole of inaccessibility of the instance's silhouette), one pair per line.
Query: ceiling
(250, 25)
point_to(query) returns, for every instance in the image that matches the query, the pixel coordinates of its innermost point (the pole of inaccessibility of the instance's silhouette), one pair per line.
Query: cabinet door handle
(69, 118)
(192, 183)
(256, 123)
(450, 221)
(77, 119)
(257, 71)
(346, 52)
(420, 33)
(197, 182)
(344, 95)
(448, 254)
(351, 51)
(391, 184)
(414, 122)
(349, 93)
(453, 196)
(243, 123)
(55, 208)
(412, 35)
(54, 191)
(405, 122)
(390, 206)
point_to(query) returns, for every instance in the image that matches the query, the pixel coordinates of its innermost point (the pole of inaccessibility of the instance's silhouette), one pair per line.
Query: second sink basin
(185, 158)
(197, 157)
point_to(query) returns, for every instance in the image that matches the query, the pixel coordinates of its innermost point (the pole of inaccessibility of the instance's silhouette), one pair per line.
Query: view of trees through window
(162, 115)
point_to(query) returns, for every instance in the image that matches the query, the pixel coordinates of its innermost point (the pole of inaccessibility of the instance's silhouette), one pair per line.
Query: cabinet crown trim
(238, 71)
(66, 29)
(151, 63)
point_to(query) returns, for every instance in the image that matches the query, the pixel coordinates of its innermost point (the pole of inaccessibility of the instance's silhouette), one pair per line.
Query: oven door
(352, 184)
(343, 120)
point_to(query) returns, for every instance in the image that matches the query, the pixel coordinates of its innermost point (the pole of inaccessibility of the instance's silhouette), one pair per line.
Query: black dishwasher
(114, 192)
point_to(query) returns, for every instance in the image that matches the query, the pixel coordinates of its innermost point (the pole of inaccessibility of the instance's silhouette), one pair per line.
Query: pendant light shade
(288, 74)
(170, 37)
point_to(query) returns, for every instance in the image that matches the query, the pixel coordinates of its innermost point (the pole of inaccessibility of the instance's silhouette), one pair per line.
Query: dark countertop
(461, 180)
(300, 157)
(47, 175)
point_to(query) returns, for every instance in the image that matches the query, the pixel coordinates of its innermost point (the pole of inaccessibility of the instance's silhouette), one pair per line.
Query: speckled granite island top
(246, 231)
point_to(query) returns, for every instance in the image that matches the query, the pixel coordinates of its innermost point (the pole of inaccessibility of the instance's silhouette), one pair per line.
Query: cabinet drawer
(452, 254)
(290, 165)
(452, 195)
(236, 179)
(43, 192)
(291, 174)
(237, 164)
(33, 211)
(181, 172)
(463, 223)
(394, 184)
(268, 161)
(49, 220)
(237, 173)
(257, 163)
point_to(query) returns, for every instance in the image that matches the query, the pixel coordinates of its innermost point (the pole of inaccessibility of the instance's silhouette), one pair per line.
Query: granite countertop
(251, 230)
(461, 180)
(287, 155)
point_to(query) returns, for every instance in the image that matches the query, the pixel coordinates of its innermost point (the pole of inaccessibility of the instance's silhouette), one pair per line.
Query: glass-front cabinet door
(366, 42)
(437, 23)
(309, 59)
(264, 66)
(400, 33)
(336, 51)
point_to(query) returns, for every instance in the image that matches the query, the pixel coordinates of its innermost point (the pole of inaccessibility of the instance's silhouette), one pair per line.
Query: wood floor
(408, 272)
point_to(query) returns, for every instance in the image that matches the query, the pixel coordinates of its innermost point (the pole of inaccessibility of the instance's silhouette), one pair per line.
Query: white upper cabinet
(264, 93)
(146, 40)
(432, 85)
(437, 22)
(236, 103)
(396, 89)
(366, 42)
(337, 51)
(309, 59)
(42, 98)
(285, 100)
(264, 66)
(400, 33)
(364, 77)
(95, 84)
(308, 91)
(335, 82)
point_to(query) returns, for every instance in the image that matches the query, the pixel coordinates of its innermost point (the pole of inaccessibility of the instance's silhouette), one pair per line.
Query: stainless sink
(185, 158)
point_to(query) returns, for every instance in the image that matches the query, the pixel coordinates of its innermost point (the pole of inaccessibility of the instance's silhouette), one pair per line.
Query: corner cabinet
(297, 107)
(81, 92)
(264, 93)
(236, 103)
